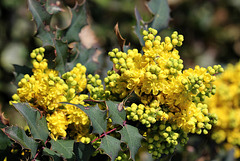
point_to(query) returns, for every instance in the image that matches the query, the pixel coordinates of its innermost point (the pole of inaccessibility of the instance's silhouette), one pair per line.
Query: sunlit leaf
(161, 12)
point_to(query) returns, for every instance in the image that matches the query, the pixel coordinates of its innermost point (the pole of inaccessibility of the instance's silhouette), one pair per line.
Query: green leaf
(37, 125)
(85, 57)
(51, 153)
(40, 15)
(63, 147)
(46, 36)
(82, 151)
(1, 124)
(19, 135)
(118, 117)
(61, 55)
(79, 20)
(131, 136)
(139, 27)
(4, 140)
(161, 12)
(111, 146)
(22, 69)
(97, 117)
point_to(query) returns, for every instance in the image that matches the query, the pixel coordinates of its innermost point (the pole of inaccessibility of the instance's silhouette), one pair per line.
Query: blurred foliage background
(211, 29)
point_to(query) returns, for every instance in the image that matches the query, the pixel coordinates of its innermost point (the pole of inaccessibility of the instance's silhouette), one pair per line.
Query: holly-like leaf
(118, 117)
(46, 35)
(4, 140)
(51, 153)
(161, 12)
(79, 20)
(63, 147)
(97, 117)
(39, 13)
(83, 151)
(85, 57)
(139, 27)
(111, 146)
(61, 55)
(36, 123)
(17, 134)
(131, 136)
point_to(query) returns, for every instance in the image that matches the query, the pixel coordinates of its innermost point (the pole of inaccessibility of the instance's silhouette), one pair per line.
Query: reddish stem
(105, 133)
(39, 151)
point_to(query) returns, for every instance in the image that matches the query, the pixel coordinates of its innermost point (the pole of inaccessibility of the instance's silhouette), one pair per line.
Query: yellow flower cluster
(226, 104)
(168, 93)
(44, 90)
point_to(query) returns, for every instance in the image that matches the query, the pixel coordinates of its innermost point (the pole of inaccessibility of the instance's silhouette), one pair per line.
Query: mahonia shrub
(161, 98)
(226, 104)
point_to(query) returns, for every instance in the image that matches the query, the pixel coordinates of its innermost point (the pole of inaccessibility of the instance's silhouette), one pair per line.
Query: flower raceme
(169, 95)
(44, 90)
(226, 104)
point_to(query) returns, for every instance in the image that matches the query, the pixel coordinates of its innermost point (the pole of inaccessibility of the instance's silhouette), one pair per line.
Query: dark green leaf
(63, 147)
(4, 140)
(37, 125)
(131, 136)
(83, 151)
(161, 12)
(40, 15)
(46, 36)
(22, 69)
(61, 55)
(2, 125)
(51, 153)
(19, 135)
(97, 117)
(118, 117)
(85, 57)
(111, 146)
(79, 20)
(139, 27)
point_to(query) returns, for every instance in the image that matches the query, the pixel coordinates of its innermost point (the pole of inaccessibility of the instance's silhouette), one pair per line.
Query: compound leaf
(131, 136)
(37, 125)
(111, 146)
